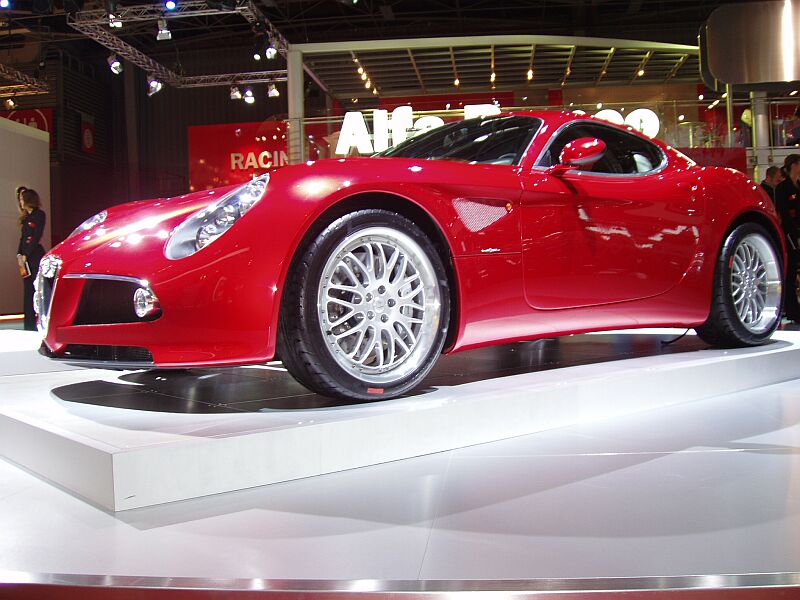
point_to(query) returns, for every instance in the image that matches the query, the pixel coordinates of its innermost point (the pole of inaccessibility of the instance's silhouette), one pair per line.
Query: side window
(625, 153)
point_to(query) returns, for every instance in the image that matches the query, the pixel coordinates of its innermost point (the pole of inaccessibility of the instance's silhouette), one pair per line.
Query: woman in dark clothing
(787, 203)
(30, 250)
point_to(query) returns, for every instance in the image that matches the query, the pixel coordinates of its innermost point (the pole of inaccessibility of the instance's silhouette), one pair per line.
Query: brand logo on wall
(355, 134)
(390, 131)
(38, 118)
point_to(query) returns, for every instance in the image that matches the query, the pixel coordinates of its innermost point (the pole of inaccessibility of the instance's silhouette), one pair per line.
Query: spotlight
(640, 73)
(375, 91)
(163, 31)
(272, 91)
(114, 64)
(170, 5)
(153, 85)
(793, 93)
(235, 93)
(456, 82)
(368, 84)
(248, 96)
(114, 21)
(5, 4)
(492, 77)
(363, 76)
(271, 52)
(530, 74)
(9, 104)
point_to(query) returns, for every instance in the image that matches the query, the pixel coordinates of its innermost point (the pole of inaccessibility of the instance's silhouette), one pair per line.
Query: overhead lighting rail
(94, 24)
(21, 84)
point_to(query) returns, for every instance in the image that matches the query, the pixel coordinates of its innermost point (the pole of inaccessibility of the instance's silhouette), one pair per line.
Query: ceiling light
(271, 52)
(599, 105)
(153, 85)
(700, 97)
(375, 91)
(492, 77)
(9, 104)
(793, 93)
(170, 5)
(368, 84)
(363, 76)
(114, 21)
(256, 54)
(640, 73)
(235, 93)
(5, 4)
(163, 31)
(360, 70)
(725, 95)
(456, 82)
(249, 98)
(273, 91)
(530, 74)
(114, 63)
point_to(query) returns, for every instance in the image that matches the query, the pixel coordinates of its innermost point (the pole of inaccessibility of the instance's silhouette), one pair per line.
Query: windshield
(490, 140)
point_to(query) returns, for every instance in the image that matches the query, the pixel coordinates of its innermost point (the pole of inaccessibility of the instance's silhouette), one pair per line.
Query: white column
(729, 112)
(296, 99)
(762, 154)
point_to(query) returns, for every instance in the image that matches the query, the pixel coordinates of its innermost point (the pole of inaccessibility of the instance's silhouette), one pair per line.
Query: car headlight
(205, 226)
(90, 222)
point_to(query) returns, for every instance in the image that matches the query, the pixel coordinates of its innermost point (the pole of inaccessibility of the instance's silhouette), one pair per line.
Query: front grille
(106, 301)
(126, 354)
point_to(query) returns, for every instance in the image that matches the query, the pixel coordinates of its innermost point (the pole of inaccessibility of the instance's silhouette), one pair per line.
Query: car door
(625, 229)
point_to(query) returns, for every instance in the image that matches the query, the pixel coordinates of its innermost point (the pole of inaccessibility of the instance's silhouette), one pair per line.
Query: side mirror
(579, 154)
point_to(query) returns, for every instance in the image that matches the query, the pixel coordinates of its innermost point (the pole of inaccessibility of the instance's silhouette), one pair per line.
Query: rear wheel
(366, 309)
(746, 301)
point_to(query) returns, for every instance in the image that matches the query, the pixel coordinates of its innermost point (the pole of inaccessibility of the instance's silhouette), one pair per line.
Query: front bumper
(207, 317)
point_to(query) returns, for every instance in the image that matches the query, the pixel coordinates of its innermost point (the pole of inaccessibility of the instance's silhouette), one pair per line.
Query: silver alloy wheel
(756, 283)
(379, 304)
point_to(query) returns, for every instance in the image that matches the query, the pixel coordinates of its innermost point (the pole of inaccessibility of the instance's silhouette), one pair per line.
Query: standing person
(773, 177)
(30, 250)
(787, 203)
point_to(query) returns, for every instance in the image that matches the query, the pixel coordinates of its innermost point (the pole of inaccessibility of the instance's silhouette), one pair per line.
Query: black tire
(332, 277)
(745, 302)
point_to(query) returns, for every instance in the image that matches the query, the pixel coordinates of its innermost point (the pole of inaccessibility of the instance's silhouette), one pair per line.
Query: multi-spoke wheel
(746, 301)
(365, 313)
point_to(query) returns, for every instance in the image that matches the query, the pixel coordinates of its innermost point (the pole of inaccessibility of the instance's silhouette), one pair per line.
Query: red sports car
(357, 273)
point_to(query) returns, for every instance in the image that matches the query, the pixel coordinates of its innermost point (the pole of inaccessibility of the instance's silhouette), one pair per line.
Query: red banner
(222, 155)
(38, 118)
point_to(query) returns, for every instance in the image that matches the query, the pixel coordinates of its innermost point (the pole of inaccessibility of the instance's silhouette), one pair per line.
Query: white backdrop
(24, 160)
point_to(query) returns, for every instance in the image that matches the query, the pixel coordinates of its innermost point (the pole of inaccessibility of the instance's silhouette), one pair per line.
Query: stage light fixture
(9, 104)
(170, 5)
(5, 4)
(272, 91)
(271, 52)
(249, 98)
(153, 85)
(114, 63)
(163, 31)
(114, 21)
(235, 93)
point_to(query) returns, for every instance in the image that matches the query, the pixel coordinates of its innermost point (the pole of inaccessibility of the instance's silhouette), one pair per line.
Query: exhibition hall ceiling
(26, 34)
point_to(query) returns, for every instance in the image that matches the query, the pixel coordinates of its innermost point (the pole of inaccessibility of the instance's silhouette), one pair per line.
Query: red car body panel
(533, 254)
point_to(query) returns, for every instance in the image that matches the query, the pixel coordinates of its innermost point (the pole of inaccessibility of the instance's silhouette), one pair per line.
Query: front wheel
(366, 308)
(746, 297)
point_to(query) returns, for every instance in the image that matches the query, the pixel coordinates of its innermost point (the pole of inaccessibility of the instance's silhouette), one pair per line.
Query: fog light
(144, 302)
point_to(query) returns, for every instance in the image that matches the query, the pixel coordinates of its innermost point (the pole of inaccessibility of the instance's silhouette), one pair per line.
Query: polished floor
(703, 488)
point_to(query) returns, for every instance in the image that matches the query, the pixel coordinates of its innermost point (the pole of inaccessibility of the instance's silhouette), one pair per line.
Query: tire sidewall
(325, 244)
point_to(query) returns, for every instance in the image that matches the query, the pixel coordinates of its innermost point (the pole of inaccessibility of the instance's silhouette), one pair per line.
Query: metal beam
(22, 84)
(606, 63)
(152, 12)
(568, 69)
(488, 40)
(642, 65)
(416, 69)
(681, 61)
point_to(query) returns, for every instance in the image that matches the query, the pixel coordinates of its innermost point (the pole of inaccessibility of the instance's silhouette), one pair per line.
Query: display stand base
(122, 459)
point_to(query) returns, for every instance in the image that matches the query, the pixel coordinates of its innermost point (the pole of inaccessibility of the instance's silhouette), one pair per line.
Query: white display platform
(121, 459)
